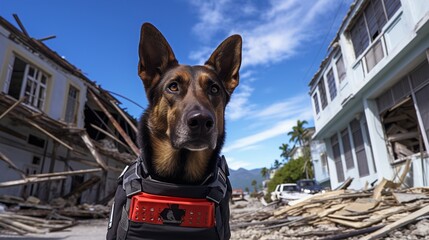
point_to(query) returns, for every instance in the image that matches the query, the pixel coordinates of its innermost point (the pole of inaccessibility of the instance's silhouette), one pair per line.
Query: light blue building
(370, 96)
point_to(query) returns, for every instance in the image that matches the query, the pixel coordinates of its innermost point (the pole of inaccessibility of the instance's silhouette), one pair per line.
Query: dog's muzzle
(196, 132)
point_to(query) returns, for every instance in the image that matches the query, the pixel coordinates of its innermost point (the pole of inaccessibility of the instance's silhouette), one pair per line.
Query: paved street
(87, 229)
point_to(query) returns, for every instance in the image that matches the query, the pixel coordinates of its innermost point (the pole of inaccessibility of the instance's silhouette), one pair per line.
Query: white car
(287, 192)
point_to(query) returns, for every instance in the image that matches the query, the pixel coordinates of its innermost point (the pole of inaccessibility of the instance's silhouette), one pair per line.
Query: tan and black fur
(182, 131)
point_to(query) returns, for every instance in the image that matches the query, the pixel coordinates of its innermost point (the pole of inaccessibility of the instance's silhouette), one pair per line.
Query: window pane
(337, 158)
(359, 36)
(72, 104)
(375, 18)
(341, 69)
(359, 148)
(347, 149)
(420, 75)
(331, 84)
(374, 55)
(17, 78)
(391, 7)
(316, 103)
(322, 92)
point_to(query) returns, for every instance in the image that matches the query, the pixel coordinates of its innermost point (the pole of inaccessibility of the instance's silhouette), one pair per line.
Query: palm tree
(276, 164)
(297, 133)
(285, 151)
(254, 183)
(264, 172)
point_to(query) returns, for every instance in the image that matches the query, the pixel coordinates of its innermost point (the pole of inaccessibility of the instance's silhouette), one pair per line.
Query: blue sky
(284, 42)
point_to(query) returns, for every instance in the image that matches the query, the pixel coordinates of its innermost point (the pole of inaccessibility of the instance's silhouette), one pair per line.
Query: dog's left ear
(226, 61)
(156, 55)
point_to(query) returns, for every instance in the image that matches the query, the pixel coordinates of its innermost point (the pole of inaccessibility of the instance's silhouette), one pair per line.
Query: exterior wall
(321, 171)
(14, 134)
(404, 40)
(57, 84)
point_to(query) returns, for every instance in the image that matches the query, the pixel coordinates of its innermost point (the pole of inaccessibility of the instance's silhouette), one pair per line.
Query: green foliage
(290, 172)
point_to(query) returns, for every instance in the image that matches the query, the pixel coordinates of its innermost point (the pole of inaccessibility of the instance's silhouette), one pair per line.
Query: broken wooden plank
(362, 205)
(381, 186)
(109, 135)
(353, 233)
(349, 218)
(345, 184)
(402, 136)
(30, 181)
(307, 201)
(118, 127)
(48, 133)
(12, 107)
(68, 173)
(408, 197)
(133, 126)
(19, 225)
(402, 222)
(86, 139)
(11, 164)
(12, 228)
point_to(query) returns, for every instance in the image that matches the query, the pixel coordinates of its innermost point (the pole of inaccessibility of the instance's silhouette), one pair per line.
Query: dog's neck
(179, 165)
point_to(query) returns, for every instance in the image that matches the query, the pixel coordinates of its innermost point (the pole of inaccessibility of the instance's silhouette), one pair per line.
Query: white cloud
(239, 105)
(272, 32)
(281, 117)
(236, 164)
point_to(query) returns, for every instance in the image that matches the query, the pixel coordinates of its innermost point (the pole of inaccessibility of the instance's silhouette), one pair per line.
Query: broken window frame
(72, 105)
(363, 34)
(34, 84)
(336, 156)
(397, 96)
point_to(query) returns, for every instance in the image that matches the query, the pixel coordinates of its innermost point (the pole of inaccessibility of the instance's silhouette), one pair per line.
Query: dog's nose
(200, 120)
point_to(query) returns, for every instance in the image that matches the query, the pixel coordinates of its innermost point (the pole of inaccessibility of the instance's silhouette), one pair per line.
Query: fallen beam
(68, 173)
(11, 164)
(124, 116)
(12, 107)
(49, 134)
(400, 223)
(93, 151)
(115, 123)
(30, 181)
(109, 135)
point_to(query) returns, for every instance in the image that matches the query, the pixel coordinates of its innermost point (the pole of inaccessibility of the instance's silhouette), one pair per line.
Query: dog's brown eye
(173, 87)
(214, 89)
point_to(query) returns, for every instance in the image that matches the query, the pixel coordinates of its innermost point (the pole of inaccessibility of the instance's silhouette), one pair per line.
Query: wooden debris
(87, 140)
(25, 224)
(408, 197)
(345, 184)
(402, 222)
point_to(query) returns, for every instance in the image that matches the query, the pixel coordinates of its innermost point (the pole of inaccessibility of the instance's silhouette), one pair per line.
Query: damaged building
(370, 95)
(61, 135)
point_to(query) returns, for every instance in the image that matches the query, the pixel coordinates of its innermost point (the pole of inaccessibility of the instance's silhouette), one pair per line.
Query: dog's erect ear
(226, 61)
(155, 55)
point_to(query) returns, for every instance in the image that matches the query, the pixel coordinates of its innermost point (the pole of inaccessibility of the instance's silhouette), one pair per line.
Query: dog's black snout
(200, 120)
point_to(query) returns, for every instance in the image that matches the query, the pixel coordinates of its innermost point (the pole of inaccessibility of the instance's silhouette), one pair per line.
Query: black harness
(145, 208)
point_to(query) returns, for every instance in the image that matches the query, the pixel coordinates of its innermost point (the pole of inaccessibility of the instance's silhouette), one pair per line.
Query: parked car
(308, 186)
(287, 192)
(237, 195)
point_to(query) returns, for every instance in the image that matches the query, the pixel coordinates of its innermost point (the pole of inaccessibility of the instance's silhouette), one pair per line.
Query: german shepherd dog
(182, 131)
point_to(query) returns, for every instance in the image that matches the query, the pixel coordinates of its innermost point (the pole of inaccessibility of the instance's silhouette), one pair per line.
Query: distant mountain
(242, 178)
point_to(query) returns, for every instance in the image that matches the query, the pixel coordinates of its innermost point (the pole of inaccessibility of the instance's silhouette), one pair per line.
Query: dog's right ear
(156, 55)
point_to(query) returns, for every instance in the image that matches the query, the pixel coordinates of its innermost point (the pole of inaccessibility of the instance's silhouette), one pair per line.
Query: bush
(290, 172)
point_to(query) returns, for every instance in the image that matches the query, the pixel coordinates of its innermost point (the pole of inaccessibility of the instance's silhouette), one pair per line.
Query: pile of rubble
(19, 216)
(340, 214)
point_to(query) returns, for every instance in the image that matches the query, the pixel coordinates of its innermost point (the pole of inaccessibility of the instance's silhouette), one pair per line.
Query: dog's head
(187, 102)
(184, 123)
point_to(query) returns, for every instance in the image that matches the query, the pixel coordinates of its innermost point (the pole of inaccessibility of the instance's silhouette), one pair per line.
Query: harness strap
(218, 187)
